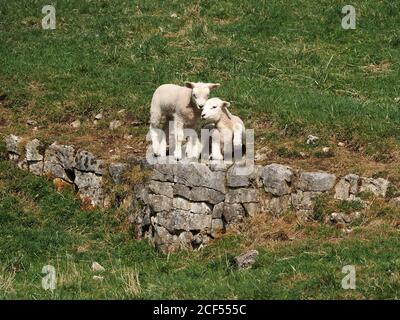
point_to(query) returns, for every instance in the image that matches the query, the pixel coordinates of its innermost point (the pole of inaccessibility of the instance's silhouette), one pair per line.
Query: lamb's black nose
(203, 116)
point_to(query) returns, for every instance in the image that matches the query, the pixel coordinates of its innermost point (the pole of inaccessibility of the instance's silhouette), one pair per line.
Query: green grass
(286, 62)
(39, 227)
(289, 60)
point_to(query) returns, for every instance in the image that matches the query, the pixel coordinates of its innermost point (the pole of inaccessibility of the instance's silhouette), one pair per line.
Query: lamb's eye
(214, 107)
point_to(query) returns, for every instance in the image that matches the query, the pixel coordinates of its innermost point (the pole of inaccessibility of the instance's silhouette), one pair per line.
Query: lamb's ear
(189, 85)
(226, 104)
(213, 85)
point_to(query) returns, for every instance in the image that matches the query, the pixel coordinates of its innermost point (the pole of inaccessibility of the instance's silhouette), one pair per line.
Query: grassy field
(289, 61)
(289, 70)
(39, 227)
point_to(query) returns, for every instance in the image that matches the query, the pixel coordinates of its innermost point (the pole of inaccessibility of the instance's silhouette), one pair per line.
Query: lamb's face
(212, 109)
(200, 92)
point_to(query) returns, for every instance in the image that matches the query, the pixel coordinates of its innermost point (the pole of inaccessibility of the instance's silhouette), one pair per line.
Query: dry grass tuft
(267, 231)
(68, 275)
(137, 175)
(380, 67)
(131, 284)
(6, 281)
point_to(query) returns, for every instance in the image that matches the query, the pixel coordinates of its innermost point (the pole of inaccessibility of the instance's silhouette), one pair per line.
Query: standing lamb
(230, 129)
(182, 105)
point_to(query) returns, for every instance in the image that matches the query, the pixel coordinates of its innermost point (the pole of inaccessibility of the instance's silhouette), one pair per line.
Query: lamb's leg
(237, 144)
(196, 147)
(157, 135)
(157, 140)
(216, 145)
(193, 146)
(179, 137)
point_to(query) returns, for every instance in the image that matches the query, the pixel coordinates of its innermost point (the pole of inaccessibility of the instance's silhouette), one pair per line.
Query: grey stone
(217, 227)
(76, 124)
(34, 150)
(304, 200)
(59, 160)
(179, 220)
(199, 194)
(162, 188)
(13, 144)
(243, 175)
(193, 207)
(257, 176)
(86, 161)
(117, 171)
(141, 193)
(242, 195)
(347, 187)
(316, 181)
(343, 218)
(89, 186)
(218, 210)
(233, 213)
(312, 140)
(31, 122)
(164, 241)
(87, 180)
(200, 208)
(36, 167)
(277, 179)
(342, 190)
(186, 239)
(173, 221)
(192, 175)
(22, 163)
(141, 220)
(34, 156)
(115, 124)
(338, 217)
(352, 179)
(246, 260)
(377, 186)
(63, 154)
(199, 175)
(251, 208)
(163, 172)
(236, 178)
(197, 239)
(159, 203)
(278, 205)
(97, 267)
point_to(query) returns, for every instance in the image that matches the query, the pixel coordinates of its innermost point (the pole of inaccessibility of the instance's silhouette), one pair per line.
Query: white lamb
(230, 128)
(182, 105)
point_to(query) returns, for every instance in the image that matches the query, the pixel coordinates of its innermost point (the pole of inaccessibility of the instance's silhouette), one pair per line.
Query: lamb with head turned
(230, 129)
